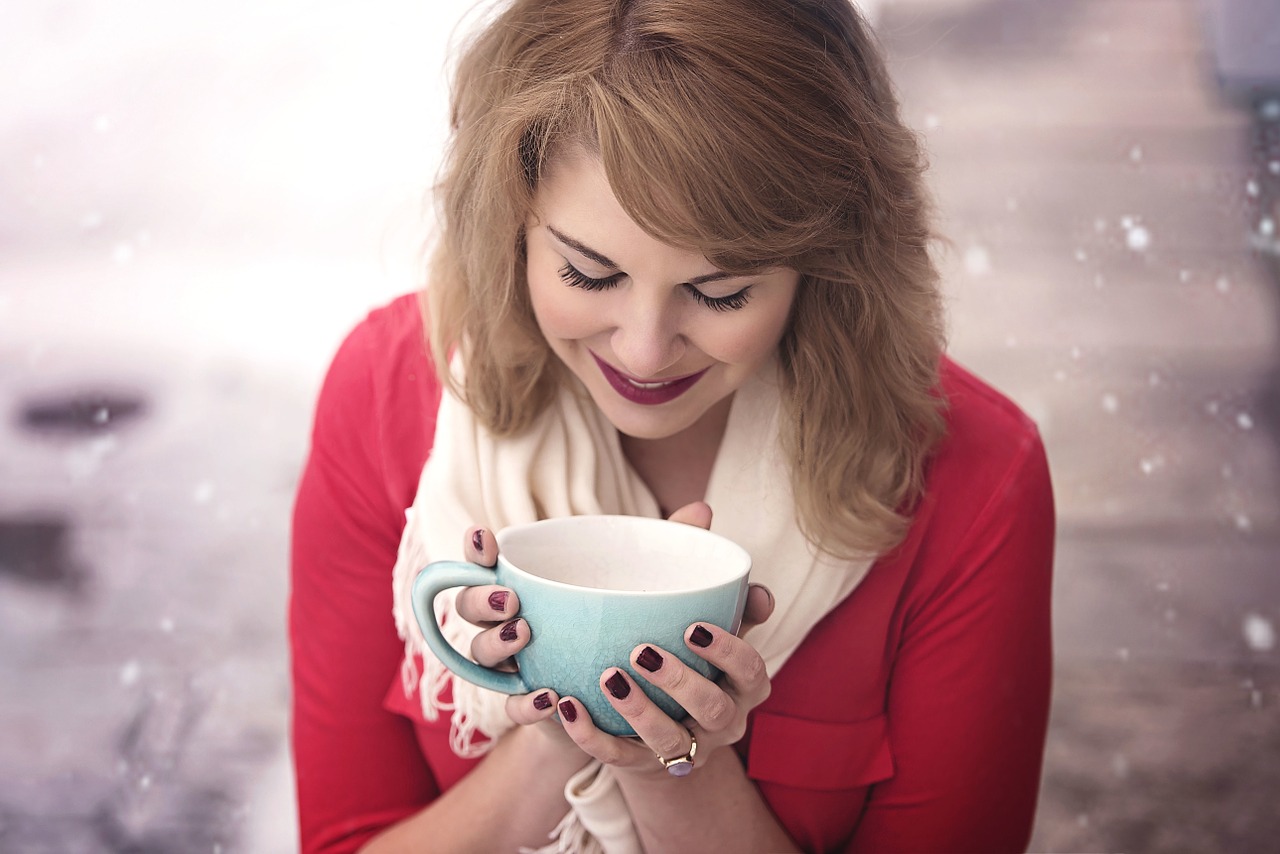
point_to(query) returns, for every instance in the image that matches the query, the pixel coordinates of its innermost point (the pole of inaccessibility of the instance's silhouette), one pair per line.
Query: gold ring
(681, 766)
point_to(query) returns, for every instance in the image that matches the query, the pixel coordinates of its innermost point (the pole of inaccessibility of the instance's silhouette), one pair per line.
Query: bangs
(700, 164)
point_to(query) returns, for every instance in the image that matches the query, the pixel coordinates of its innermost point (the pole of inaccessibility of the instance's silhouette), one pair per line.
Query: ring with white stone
(681, 766)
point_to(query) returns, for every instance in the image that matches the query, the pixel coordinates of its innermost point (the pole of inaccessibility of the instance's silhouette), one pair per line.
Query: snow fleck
(977, 261)
(1011, 204)
(203, 492)
(1060, 375)
(1150, 465)
(123, 253)
(1226, 471)
(145, 782)
(1099, 225)
(1154, 379)
(1270, 110)
(1110, 404)
(1184, 276)
(1162, 586)
(1138, 239)
(102, 124)
(84, 460)
(1170, 615)
(1076, 353)
(1255, 699)
(1083, 819)
(1251, 188)
(166, 625)
(1243, 522)
(91, 220)
(1267, 226)
(1127, 222)
(101, 415)
(1082, 256)
(1120, 766)
(1274, 167)
(1135, 154)
(1211, 407)
(1123, 653)
(1011, 340)
(932, 122)
(1244, 421)
(1098, 281)
(1222, 285)
(1258, 633)
(130, 672)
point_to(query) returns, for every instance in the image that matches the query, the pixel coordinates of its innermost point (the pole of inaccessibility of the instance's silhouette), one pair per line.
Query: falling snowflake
(1222, 285)
(130, 672)
(203, 492)
(1135, 154)
(1259, 634)
(1244, 421)
(1251, 188)
(123, 253)
(1267, 227)
(977, 261)
(1110, 404)
(1138, 239)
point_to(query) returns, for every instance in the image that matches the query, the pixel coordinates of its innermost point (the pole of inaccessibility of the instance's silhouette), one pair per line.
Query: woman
(683, 268)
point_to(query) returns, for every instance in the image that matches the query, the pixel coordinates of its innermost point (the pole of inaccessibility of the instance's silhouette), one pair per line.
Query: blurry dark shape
(37, 550)
(90, 412)
(1246, 46)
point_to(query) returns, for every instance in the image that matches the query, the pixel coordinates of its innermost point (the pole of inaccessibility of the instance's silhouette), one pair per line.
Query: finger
(705, 701)
(493, 647)
(743, 668)
(656, 729)
(487, 604)
(525, 709)
(759, 608)
(480, 546)
(698, 514)
(593, 741)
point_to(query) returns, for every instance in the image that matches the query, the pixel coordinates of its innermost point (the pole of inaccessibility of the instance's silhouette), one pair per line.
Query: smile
(647, 393)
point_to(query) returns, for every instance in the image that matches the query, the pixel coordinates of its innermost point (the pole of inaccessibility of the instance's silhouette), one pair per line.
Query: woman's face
(659, 337)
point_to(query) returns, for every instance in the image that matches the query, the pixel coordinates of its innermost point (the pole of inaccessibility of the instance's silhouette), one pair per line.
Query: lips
(647, 393)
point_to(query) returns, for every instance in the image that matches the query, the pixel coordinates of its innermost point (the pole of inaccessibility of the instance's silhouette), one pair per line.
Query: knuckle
(718, 714)
(753, 670)
(669, 745)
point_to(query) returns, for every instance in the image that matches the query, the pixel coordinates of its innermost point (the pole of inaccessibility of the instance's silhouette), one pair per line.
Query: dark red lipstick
(652, 393)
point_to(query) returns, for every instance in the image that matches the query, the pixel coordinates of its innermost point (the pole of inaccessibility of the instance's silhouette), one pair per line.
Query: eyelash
(575, 278)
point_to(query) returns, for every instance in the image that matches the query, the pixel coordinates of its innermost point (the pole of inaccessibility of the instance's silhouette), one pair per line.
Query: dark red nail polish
(567, 711)
(649, 659)
(700, 637)
(617, 685)
(508, 631)
(542, 702)
(477, 540)
(498, 600)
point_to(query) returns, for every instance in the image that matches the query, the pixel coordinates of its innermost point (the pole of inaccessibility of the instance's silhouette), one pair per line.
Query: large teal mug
(592, 588)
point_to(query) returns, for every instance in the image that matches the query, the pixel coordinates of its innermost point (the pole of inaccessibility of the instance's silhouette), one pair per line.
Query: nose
(647, 339)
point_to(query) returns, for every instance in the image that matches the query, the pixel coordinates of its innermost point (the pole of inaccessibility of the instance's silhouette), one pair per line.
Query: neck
(677, 468)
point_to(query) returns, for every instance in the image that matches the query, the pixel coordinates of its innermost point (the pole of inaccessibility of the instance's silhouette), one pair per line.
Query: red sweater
(912, 718)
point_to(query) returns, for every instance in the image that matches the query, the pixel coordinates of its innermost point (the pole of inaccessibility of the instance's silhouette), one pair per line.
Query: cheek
(560, 311)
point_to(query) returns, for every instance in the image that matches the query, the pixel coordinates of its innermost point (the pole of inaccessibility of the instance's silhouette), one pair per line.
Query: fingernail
(477, 540)
(498, 600)
(567, 711)
(542, 702)
(617, 685)
(700, 637)
(649, 659)
(508, 631)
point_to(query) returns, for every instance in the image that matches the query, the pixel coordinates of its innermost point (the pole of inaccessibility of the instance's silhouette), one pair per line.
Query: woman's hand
(717, 710)
(494, 609)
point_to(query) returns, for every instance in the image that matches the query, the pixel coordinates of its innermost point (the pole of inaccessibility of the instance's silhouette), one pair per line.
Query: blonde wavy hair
(760, 133)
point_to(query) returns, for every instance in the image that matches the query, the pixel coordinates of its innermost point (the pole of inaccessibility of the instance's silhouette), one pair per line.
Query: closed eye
(574, 277)
(732, 302)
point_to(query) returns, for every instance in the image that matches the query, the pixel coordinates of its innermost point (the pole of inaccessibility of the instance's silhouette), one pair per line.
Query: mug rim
(741, 555)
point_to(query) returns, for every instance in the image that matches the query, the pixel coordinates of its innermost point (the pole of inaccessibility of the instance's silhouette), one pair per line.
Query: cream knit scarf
(571, 463)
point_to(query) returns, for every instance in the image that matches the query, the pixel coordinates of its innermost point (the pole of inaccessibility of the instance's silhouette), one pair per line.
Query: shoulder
(987, 490)
(380, 395)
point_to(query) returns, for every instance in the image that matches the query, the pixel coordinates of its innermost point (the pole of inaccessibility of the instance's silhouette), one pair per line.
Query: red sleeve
(968, 701)
(358, 766)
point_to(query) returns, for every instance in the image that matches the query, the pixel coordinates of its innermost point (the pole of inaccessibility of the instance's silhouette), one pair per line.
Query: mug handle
(431, 581)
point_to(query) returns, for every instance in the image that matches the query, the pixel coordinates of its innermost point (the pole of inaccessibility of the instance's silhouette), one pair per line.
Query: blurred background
(196, 203)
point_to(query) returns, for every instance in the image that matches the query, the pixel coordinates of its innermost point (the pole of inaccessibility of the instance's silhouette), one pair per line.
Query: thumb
(758, 608)
(697, 513)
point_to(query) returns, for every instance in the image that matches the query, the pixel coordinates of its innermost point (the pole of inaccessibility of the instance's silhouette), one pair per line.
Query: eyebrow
(606, 262)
